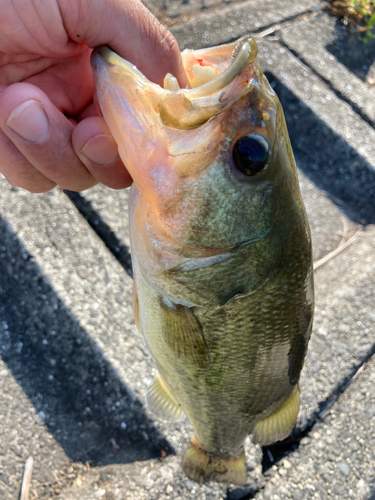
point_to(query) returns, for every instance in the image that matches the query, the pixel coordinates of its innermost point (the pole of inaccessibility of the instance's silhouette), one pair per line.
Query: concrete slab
(67, 338)
(158, 479)
(324, 44)
(76, 371)
(112, 206)
(329, 225)
(234, 21)
(45, 347)
(336, 460)
(106, 211)
(344, 326)
(175, 9)
(22, 433)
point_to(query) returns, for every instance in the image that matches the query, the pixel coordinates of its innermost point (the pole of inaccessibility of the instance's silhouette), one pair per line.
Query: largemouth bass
(221, 248)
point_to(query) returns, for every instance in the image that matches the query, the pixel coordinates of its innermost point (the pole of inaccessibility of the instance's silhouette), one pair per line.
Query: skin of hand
(50, 131)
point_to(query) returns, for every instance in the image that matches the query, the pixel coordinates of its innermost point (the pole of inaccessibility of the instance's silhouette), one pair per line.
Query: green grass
(358, 13)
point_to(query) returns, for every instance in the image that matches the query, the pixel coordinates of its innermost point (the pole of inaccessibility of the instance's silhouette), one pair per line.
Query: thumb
(130, 29)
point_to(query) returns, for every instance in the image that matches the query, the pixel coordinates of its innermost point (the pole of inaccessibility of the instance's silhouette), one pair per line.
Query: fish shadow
(72, 386)
(327, 159)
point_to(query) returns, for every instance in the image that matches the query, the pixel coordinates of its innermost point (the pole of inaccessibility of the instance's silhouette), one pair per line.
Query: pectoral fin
(160, 402)
(277, 424)
(184, 335)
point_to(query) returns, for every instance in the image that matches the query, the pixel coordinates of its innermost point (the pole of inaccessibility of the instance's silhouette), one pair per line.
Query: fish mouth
(217, 76)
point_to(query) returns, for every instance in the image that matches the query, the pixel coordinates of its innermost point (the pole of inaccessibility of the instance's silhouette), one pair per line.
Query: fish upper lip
(244, 56)
(183, 108)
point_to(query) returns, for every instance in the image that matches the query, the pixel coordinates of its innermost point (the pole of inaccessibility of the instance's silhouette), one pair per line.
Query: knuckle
(169, 44)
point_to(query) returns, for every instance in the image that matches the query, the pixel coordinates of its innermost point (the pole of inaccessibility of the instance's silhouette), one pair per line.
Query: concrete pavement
(73, 369)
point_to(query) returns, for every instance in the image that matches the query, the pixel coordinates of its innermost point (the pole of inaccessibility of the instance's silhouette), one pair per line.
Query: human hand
(50, 131)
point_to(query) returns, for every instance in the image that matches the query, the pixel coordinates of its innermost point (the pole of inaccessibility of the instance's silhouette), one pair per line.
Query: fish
(221, 248)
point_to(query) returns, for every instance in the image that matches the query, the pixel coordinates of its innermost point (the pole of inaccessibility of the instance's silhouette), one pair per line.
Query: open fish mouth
(217, 77)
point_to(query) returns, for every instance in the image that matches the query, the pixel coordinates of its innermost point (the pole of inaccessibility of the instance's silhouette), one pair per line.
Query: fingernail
(29, 121)
(101, 149)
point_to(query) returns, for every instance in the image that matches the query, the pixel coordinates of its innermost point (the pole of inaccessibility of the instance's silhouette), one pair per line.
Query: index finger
(130, 29)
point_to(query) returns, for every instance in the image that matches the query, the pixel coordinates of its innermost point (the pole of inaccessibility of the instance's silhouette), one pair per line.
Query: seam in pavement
(273, 27)
(288, 20)
(325, 81)
(172, 20)
(120, 251)
(348, 381)
(265, 31)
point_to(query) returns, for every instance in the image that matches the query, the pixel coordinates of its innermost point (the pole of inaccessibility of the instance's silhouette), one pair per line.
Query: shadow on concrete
(65, 375)
(352, 52)
(120, 251)
(327, 159)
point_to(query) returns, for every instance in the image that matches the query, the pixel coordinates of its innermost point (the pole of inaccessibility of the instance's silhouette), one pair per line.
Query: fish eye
(250, 154)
